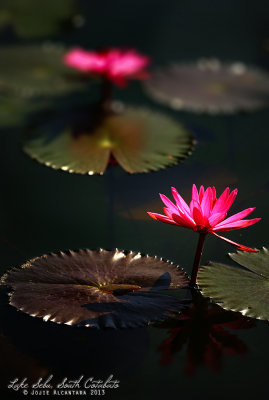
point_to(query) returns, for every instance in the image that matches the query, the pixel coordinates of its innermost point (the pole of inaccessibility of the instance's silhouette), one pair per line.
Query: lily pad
(28, 19)
(15, 111)
(245, 290)
(33, 70)
(210, 86)
(96, 288)
(83, 142)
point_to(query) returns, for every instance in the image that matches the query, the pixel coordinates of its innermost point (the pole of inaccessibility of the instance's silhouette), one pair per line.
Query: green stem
(106, 95)
(197, 258)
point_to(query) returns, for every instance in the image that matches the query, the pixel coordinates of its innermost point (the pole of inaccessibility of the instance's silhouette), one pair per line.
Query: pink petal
(195, 195)
(168, 203)
(125, 63)
(85, 61)
(236, 225)
(216, 218)
(183, 208)
(177, 218)
(162, 218)
(197, 213)
(201, 193)
(214, 193)
(231, 199)
(182, 221)
(219, 206)
(195, 204)
(206, 204)
(198, 217)
(182, 205)
(237, 245)
(167, 212)
(238, 216)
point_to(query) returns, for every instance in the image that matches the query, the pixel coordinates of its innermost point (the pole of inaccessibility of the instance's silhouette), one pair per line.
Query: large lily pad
(29, 19)
(96, 288)
(245, 290)
(210, 86)
(140, 140)
(33, 70)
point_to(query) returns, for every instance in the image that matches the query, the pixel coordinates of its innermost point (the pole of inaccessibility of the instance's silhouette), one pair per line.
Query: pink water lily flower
(206, 213)
(116, 65)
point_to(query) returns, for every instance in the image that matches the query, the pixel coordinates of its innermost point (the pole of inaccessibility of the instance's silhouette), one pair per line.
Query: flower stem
(106, 95)
(197, 258)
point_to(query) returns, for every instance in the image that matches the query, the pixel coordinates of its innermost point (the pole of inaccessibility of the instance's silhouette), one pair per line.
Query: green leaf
(33, 70)
(30, 20)
(14, 110)
(245, 290)
(140, 140)
(96, 288)
(210, 86)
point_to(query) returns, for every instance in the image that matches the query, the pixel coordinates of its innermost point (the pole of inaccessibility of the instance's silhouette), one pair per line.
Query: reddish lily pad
(140, 140)
(210, 86)
(245, 290)
(96, 288)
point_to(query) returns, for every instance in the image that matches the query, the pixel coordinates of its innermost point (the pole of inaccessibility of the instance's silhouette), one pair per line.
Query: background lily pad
(96, 288)
(210, 86)
(245, 290)
(29, 19)
(41, 70)
(140, 140)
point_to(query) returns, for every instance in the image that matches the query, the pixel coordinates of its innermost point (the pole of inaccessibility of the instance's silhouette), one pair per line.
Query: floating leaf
(138, 139)
(30, 20)
(14, 110)
(210, 86)
(96, 288)
(245, 290)
(34, 70)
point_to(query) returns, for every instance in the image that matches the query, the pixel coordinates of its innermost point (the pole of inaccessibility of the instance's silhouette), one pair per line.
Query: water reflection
(204, 330)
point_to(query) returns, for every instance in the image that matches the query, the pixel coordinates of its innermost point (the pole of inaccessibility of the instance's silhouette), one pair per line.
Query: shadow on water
(30, 347)
(78, 120)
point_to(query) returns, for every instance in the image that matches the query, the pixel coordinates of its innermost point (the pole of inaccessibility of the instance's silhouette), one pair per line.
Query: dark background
(42, 210)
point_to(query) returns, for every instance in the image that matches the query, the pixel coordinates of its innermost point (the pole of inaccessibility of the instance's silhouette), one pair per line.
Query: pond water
(211, 354)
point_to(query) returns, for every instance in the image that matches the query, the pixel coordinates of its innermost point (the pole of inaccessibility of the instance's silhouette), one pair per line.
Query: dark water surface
(42, 210)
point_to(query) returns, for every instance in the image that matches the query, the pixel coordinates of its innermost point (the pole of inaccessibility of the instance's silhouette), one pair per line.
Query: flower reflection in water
(204, 329)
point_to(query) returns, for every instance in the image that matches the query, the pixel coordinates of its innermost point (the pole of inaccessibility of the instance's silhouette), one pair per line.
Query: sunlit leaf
(33, 70)
(210, 86)
(245, 290)
(96, 288)
(28, 19)
(81, 142)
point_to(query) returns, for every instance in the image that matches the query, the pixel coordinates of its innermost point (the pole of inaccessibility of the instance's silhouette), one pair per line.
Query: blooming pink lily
(206, 213)
(114, 64)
